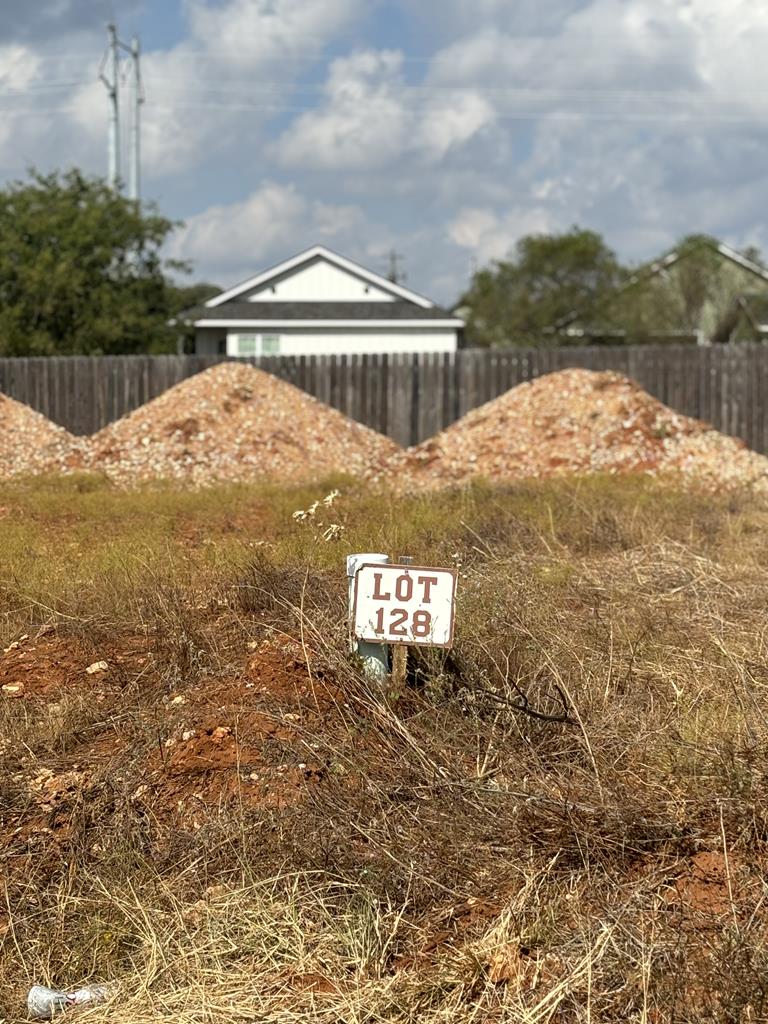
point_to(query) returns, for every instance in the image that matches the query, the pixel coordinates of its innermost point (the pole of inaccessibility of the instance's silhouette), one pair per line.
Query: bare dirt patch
(245, 739)
(45, 666)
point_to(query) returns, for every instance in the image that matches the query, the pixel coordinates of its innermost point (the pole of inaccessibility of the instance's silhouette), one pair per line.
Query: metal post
(111, 62)
(375, 657)
(400, 651)
(114, 118)
(134, 170)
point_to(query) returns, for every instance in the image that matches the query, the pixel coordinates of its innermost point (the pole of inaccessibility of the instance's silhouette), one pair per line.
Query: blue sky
(446, 130)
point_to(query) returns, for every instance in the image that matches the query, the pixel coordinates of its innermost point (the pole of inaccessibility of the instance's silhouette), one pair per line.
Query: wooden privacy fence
(411, 397)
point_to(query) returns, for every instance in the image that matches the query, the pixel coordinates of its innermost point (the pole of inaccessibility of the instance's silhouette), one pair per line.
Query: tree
(186, 296)
(513, 302)
(694, 290)
(81, 270)
(183, 297)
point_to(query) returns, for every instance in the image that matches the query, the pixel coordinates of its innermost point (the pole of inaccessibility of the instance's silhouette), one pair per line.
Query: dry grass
(563, 819)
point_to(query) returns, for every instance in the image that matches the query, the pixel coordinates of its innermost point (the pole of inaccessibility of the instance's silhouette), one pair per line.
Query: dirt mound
(234, 422)
(245, 739)
(578, 421)
(49, 666)
(44, 666)
(30, 444)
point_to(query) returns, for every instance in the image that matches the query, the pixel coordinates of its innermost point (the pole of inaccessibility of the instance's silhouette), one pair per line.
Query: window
(257, 344)
(247, 344)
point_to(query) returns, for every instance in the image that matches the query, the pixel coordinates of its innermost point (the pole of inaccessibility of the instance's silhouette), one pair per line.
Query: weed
(561, 819)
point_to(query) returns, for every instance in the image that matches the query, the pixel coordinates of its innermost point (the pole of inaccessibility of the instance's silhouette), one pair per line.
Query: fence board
(410, 397)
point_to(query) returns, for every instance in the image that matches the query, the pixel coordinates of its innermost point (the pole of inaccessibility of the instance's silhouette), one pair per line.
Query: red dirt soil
(244, 739)
(45, 666)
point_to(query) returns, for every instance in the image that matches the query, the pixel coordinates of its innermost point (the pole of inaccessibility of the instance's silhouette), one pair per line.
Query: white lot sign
(404, 604)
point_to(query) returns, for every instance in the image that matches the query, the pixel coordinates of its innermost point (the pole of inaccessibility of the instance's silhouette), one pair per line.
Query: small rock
(96, 667)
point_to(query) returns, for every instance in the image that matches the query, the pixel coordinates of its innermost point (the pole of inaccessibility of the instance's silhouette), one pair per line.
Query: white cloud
(456, 121)
(221, 84)
(245, 29)
(491, 236)
(227, 236)
(634, 117)
(214, 91)
(47, 19)
(371, 118)
(363, 122)
(471, 225)
(19, 66)
(454, 17)
(236, 240)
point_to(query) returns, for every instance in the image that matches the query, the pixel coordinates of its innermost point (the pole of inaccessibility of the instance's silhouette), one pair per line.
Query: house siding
(319, 282)
(209, 343)
(352, 341)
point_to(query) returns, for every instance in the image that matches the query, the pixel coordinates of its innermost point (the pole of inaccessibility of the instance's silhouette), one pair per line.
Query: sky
(444, 130)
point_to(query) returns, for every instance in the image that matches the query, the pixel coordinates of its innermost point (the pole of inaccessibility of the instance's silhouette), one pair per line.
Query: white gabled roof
(742, 261)
(320, 251)
(256, 323)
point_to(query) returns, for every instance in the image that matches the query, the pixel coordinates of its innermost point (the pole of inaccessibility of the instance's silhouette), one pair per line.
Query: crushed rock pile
(233, 423)
(578, 421)
(31, 444)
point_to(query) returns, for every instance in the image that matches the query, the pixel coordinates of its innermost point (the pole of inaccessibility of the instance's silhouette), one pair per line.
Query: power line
(425, 92)
(575, 116)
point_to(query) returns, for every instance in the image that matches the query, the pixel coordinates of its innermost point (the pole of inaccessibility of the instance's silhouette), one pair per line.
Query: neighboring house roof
(257, 302)
(659, 266)
(287, 313)
(319, 251)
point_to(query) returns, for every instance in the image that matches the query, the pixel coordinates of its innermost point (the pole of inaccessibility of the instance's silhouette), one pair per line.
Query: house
(320, 303)
(755, 307)
(701, 291)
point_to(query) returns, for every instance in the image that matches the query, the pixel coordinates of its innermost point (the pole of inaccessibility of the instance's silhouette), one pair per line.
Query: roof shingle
(259, 311)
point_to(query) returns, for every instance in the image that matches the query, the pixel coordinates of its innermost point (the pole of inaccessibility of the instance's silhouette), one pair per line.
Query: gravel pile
(578, 421)
(31, 444)
(234, 422)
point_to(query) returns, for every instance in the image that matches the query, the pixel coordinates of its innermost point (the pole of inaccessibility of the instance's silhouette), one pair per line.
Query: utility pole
(109, 73)
(134, 174)
(111, 64)
(395, 275)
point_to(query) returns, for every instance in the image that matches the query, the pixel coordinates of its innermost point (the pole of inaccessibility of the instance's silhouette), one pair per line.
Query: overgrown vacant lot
(563, 819)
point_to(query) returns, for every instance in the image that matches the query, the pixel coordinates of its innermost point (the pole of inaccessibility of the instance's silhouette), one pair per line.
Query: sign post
(374, 654)
(400, 651)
